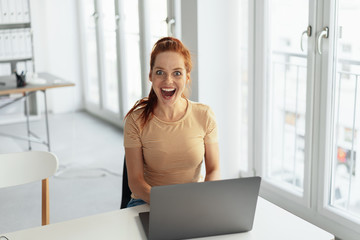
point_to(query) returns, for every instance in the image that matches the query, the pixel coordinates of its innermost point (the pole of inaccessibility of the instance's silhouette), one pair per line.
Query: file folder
(12, 11)
(2, 45)
(5, 11)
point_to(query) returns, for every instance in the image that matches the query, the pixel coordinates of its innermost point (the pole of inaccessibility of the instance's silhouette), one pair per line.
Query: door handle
(308, 33)
(323, 34)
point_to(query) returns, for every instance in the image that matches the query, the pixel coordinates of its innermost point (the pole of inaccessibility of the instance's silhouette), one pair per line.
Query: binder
(28, 43)
(21, 67)
(2, 70)
(13, 44)
(25, 11)
(29, 66)
(1, 13)
(22, 43)
(5, 11)
(7, 44)
(2, 45)
(20, 48)
(21, 7)
(18, 11)
(12, 11)
(5, 69)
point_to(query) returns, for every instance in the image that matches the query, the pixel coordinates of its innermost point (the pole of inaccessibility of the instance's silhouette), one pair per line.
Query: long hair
(163, 45)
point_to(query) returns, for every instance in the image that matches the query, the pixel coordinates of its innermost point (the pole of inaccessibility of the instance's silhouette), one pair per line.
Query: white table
(271, 222)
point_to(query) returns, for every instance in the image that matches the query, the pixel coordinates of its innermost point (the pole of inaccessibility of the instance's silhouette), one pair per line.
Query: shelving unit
(16, 54)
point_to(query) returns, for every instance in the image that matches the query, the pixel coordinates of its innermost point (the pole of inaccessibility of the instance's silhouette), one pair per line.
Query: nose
(168, 78)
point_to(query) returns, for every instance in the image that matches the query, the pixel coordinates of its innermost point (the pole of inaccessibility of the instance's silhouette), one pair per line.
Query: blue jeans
(135, 202)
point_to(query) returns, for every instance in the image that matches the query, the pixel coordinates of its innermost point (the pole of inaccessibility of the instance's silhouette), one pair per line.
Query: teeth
(168, 89)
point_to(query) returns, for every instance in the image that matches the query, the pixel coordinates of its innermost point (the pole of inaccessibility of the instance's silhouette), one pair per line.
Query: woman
(166, 136)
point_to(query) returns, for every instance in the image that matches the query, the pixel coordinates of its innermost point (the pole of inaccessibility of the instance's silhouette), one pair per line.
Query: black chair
(126, 193)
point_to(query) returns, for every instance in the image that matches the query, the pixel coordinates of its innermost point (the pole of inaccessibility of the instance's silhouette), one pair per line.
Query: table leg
(47, 122)
(27, 119)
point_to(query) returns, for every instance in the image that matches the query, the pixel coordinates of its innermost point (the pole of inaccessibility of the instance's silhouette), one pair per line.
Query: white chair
(25, 167)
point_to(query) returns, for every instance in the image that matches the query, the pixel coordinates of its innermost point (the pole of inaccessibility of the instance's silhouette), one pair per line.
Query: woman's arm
(135, 168)
(212, 164)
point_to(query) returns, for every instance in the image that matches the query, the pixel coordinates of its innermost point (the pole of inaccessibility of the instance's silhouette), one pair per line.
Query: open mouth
(167, 92)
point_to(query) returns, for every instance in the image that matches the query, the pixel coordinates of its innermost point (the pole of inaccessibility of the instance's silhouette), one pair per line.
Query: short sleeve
(131, 133)
(211, 128)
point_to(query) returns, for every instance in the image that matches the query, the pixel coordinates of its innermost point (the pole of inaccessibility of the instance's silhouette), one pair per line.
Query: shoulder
(202, 113)
(134, 117)
(136, 113)
(200, 108)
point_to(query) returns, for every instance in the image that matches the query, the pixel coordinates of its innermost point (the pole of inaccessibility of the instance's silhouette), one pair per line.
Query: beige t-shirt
(172, 151)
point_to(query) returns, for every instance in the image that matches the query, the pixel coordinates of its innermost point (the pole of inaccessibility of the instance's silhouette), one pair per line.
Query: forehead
(169, 60)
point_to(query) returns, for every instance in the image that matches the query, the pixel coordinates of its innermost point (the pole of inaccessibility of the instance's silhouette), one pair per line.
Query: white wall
(56, 50)
(219, 75)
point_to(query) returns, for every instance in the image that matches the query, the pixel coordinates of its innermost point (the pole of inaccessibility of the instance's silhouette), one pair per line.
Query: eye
(159, 72)
(177, 73)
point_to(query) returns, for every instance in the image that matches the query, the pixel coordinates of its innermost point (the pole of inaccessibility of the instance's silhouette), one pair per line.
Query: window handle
(95, 15)
(323, 34)
(169, 22)
(308, 33)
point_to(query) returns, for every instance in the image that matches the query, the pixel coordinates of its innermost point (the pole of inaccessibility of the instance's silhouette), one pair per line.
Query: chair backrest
(25, 167)
(126, 192)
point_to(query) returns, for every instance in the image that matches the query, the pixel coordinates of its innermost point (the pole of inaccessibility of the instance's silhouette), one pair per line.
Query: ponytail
(148, 104)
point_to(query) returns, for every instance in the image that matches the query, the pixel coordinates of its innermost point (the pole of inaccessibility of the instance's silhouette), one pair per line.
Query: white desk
(271, 222)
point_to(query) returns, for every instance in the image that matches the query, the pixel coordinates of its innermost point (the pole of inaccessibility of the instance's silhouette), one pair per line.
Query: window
(310, 100)
(114, 39)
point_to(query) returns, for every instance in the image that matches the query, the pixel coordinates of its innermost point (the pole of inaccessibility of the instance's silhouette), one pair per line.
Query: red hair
(162, 45)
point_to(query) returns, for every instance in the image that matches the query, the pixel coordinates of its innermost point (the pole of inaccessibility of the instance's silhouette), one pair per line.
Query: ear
(187, 78)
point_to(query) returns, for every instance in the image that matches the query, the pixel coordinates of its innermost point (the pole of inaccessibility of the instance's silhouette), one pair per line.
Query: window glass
(92, 90)
(158, 15)
(132, 83)
(287, 75)
(111, 94)
(345, 177)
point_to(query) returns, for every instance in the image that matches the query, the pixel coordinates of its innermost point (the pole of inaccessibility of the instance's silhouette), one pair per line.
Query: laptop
(201, 209)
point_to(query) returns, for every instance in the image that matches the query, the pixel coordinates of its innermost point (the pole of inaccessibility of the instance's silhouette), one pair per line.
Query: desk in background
(271, 222)
(44, 82)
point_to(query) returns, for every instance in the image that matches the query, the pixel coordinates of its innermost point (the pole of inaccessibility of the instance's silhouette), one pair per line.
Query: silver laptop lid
(203, 209)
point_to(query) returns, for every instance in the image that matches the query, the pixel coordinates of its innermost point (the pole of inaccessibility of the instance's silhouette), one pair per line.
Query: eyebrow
(177, 68)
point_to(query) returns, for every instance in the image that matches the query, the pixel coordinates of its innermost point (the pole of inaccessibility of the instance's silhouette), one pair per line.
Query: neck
(171, 113)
